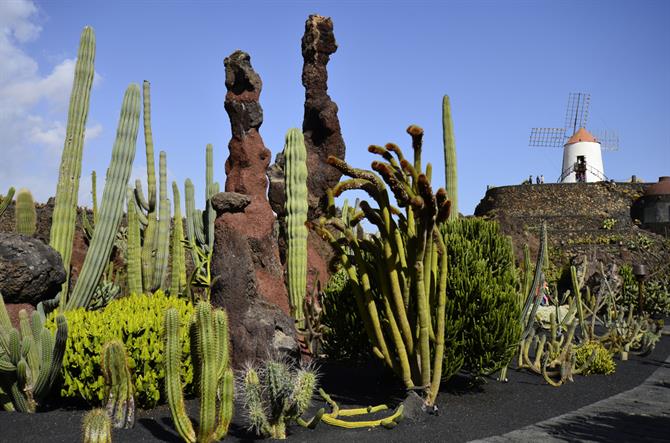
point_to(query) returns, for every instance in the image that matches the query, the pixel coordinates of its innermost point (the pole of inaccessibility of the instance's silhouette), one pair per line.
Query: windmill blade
(609, 139)
(547, 137)
(577, 112)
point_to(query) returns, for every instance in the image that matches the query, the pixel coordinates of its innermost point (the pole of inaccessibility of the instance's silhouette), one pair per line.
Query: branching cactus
(65, 208)
(6, 200)
(25, 215)
(407, 260)
(119, 388)
(96, 427)
(30, 358)
(275, 395)
(295, 156)
(215, 379)
(113, 198)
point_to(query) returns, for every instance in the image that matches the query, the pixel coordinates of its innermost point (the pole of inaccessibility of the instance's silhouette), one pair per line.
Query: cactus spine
(25, 215)
(296, 209)
(119, 387)
(97, 427)
(65, 209)
(450, 166)
(113, 197)
(178, 277)
(211, 351)
(32, 360)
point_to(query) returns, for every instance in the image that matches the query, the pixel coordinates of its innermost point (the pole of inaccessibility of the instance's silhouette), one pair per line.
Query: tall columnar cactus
(113, 198)
(134, 260)
(86, 223)
(295, 156)
(163, 233)
(65, 209)
(119, 388)
(30, 358)
(96, 427)
(450, 166)
(407, 248)
(25, 215)
(215, 384)
(6, 200)
(275, 395)
(178, 276)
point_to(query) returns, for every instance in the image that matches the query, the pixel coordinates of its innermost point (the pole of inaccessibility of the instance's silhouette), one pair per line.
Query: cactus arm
(163, 233)
(113, 198)
(149, 144)
(440, 319)
(178, 276)
(65, 208)
(296, 209)
(450, 167)
(134, 261)
(6, 200)
(94, 195)
(206, 348)
(226, 408)
(172, 378)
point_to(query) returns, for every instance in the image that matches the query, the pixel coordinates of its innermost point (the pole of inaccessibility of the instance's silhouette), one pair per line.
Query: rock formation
(30, 270)
(250, 282)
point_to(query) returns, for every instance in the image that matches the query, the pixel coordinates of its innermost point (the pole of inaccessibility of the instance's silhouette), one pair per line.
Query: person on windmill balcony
(580, 169)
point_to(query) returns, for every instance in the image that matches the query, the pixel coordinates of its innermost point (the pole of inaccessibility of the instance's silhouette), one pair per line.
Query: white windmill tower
(582, 152)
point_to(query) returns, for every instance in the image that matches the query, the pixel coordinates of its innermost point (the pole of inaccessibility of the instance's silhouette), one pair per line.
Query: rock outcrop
(250, 282)
(30, 271)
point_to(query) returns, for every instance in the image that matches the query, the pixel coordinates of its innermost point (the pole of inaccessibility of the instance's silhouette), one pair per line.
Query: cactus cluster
(119, 388)
(399, 276)
(210, 349)
(275, 395)
(30, 359)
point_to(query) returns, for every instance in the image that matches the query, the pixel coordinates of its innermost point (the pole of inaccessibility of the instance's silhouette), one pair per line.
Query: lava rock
(229, 202)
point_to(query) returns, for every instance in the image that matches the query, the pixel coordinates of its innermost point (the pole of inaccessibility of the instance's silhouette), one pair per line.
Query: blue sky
(508, 66)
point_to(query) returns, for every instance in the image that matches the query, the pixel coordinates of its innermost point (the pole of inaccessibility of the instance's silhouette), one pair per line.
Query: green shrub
(137, 321)
(656, 293)
(481, 294)
(602, 363)
(345, 337)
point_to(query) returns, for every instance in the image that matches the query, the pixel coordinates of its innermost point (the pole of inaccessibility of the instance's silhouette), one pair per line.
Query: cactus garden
(305, 296)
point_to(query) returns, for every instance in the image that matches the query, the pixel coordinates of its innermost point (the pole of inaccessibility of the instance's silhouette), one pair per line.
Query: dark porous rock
(229, 202)
(13, 310)
(30, 271)
(257, 328)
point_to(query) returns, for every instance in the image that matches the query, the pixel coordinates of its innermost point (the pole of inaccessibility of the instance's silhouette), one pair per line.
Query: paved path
(641, 414)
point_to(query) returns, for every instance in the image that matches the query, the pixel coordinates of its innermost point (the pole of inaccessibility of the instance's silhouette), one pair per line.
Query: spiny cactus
(163, 232)
(30, 358)
(134, 260)
(97, 427)
(25, 215)
(65, 208)
(119, 388)
(178, 276)
(275, 395)
(404, 336)
(113, 197)
(295, 156)
(6, 200)
(450, 166)
(215, 379)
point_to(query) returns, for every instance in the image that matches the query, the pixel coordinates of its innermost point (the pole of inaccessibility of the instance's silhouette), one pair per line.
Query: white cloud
(32, 138)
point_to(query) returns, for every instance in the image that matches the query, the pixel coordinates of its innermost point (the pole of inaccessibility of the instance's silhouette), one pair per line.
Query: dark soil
(468, 410)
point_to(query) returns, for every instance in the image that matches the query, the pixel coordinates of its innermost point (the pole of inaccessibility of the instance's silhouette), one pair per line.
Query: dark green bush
(481, 295)
(137, 321)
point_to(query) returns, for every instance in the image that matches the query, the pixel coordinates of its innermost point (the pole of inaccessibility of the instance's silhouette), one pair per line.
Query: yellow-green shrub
(602, 363)
(137, 320)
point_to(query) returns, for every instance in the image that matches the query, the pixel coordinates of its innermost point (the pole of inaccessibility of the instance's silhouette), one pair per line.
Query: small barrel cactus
(97, 427)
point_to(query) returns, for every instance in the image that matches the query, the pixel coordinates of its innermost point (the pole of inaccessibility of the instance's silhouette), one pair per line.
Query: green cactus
(30, 358)
(274, 395)
(333, 418)
(86, 223)
(6, 200)
(215, 379)
(134, 260)
(295, 156)
(97, 427)
(113, 198)
(25, 215)
(404, 336)
(163, 232)
(178, 277)
(450, 166)
(119, 388)
(65, 208)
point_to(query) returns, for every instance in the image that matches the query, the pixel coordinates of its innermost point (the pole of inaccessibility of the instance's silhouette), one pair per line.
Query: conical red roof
(582, 135)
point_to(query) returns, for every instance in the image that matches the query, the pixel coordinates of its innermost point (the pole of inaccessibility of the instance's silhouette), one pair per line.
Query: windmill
(582, 152)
